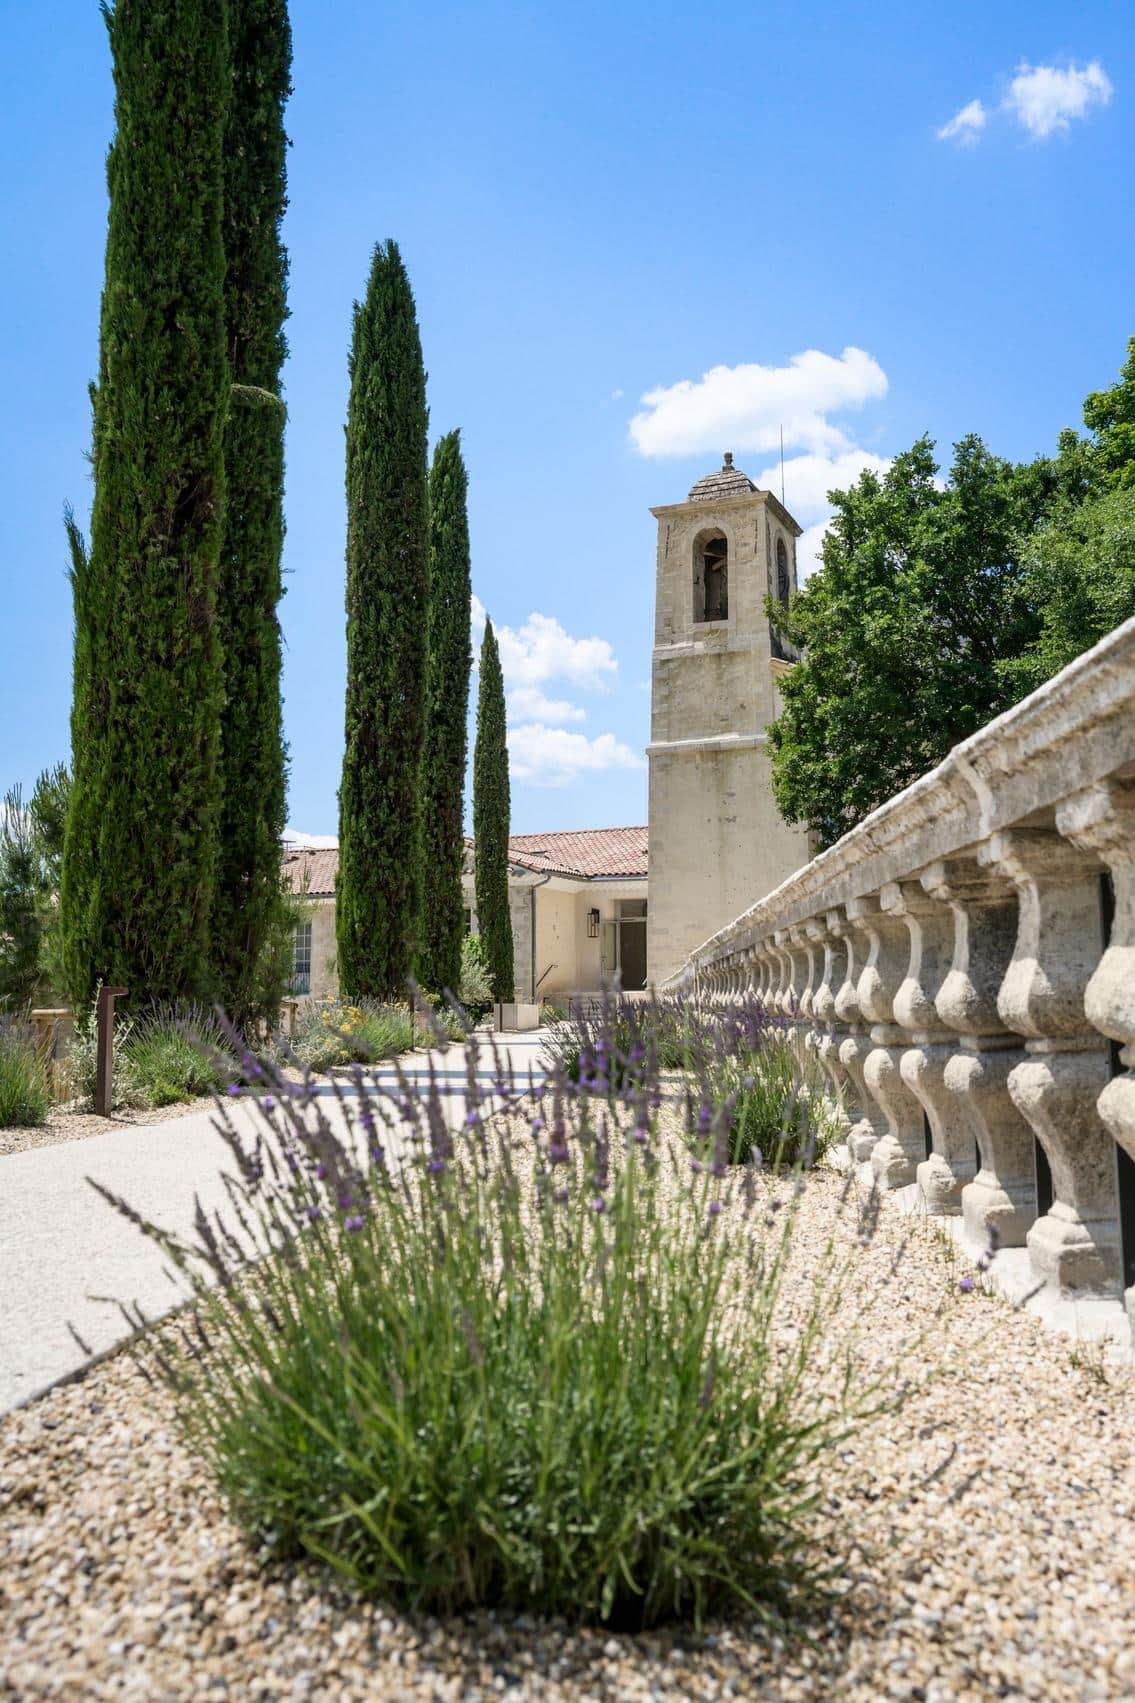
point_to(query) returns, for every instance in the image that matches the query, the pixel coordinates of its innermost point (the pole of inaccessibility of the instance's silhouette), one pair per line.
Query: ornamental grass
(515, 1348)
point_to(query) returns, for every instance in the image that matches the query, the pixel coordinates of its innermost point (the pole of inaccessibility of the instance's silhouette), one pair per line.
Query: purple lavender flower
(714, 1208)
(966, 1285)
(268, 1103)
(353, 1223)
(599, 1203)
(233, 1088)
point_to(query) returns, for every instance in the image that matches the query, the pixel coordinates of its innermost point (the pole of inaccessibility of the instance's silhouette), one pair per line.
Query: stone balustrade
(961, 967)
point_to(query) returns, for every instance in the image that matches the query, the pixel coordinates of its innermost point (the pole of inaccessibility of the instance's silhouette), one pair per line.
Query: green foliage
(491, 810)
(252, 974)
(171, 1055)
(1080, 574)
(141, 843)
(512, 1372)
(378, 897)
(476, 990)
(1110, 416)
(918, 602)
(335, 1032)
(25, 1085)
(447, 706)
(82, 1058)
(775, 1108)
(937, 608)
(31, 850)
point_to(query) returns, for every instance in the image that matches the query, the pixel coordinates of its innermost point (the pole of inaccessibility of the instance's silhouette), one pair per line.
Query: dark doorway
(632, 944)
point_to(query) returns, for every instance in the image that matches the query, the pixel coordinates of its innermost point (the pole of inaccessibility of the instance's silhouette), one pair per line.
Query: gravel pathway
(64, 1124)
(985, 1537)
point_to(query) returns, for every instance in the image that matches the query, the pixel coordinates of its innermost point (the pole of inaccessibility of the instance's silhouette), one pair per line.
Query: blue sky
(597, 205)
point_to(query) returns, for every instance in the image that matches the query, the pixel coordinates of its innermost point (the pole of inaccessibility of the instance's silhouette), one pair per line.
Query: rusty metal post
(104, 1064)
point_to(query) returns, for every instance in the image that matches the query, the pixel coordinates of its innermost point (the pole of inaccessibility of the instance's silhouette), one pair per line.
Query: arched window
(711, 579)
(783, 578)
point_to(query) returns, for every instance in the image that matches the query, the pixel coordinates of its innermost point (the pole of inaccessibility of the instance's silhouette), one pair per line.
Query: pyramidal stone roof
(728, 481)
(588, 853)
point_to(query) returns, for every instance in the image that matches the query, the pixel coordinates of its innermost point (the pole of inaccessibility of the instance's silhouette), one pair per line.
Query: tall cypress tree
(140, 849)
(378, 894)
(248, 912)
(447, 707)
(491, 808)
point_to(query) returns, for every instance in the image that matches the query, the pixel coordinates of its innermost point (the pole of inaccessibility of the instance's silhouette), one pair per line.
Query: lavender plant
(490, 1350)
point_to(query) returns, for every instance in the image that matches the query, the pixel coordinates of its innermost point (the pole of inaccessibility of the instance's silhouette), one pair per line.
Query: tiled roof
(311, 870)
(587, 853)
(590, 852)
(727, 481)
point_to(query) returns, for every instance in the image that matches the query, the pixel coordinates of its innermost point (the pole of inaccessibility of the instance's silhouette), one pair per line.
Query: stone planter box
(517, 1016)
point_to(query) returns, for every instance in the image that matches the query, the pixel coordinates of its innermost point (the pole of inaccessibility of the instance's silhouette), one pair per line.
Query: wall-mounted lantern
(593, 924)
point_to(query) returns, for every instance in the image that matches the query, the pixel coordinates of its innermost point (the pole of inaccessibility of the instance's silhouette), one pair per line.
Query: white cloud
(528, 703)
(745, 407)
(309, 842)
(809, 478)
(543, 650)
(1046, 98)
(616, 395)
(553, 757)
(965, 126)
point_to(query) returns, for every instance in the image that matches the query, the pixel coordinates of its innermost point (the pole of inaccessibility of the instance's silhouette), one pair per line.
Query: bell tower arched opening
(711, 577)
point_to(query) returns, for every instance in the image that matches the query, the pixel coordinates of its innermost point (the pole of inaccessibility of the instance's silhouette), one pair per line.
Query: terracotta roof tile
(587, 853)
(590, 852)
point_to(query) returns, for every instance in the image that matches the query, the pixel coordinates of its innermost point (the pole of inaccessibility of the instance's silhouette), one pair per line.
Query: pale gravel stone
(66, 1124)
(983, 1535)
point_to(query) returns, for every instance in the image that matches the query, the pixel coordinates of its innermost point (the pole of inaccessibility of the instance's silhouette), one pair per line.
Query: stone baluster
(855, 1045)
(1102, 819)
(781, 994)
(1076, 1242)
(897, 1154)
(984, 907)
(765, 965)
(952, 1160)
(805, 959)
(832, 969)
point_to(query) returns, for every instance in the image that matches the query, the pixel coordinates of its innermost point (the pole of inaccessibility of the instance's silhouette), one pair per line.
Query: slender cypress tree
(447, 708)
(491, 820)
(140, 848)
(248, 908)
(379, 888)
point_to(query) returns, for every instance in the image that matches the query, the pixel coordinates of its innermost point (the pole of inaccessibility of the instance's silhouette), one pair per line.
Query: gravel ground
(984, 1536)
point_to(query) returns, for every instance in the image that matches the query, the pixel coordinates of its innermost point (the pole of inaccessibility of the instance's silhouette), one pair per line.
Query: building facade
(578, 903)
(716, 835)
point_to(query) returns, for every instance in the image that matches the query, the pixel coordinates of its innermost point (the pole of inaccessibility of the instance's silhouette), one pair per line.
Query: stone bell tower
(717, 840)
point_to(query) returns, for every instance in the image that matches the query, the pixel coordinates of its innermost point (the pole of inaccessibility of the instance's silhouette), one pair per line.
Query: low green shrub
(502, 1364)
(775, 1109)
(476, 981)
(173, 1054)
(333, 1032)
(25, 1084)
(82, 1059)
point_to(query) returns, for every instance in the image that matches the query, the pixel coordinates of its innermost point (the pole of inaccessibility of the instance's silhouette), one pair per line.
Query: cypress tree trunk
(248, 912)
(447, 706)
(491, 821)
(378, 894)
(141, 843)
